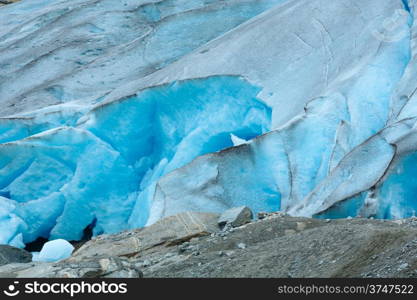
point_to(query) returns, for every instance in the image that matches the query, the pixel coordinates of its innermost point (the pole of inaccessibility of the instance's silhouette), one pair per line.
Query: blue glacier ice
(83, 49)
(397, 193)
(66, 178)
(115, 115)
(164, 128)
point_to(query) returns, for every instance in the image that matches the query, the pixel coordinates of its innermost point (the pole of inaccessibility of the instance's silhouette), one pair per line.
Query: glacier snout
(150, 108)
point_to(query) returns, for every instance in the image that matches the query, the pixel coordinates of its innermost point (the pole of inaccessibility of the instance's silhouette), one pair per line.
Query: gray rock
(172, 230)
(236, 216)
(241, 246)
(9, 254)
(343, 248)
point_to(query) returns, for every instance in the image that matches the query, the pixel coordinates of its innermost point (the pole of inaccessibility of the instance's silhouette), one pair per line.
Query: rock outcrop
(150, 108)
(9, 254)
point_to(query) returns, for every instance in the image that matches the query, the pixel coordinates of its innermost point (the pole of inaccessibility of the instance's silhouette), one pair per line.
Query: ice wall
(61, 180)
(144, 109)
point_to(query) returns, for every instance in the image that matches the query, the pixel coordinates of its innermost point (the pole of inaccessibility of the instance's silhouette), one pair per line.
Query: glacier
(117, 114)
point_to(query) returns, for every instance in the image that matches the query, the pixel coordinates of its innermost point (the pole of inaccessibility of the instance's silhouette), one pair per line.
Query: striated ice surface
(58, 51)
(115, 114)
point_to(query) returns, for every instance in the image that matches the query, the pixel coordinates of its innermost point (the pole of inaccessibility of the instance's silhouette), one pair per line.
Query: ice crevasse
(150, 108)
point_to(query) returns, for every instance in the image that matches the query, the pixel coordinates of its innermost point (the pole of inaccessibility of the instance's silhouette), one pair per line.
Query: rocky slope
(276, 246)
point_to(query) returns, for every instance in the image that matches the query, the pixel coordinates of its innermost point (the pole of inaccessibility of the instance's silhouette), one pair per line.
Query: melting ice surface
(167, 106)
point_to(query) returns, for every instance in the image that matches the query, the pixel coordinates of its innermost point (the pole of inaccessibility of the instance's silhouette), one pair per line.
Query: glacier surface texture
(115, 114)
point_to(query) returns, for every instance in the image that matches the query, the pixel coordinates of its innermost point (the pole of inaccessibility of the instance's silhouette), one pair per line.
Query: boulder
(109, 267)
(9, 254)
(236, 216)
(170, 231)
